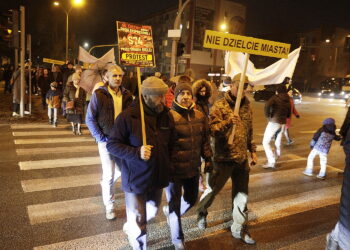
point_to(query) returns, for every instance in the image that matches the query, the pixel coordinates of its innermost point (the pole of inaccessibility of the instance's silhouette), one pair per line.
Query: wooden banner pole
(143, 128)
(239, 97)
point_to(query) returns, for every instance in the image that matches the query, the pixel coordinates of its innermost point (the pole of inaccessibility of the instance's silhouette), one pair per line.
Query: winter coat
(344, 217)
(16, 88)
(191, 143)
(44, 84)
(69, 95)
(322, 139)
(100, 112)
(202, 102)
(125, 141)
(169, 97)
(66, 72)
(53, 99)
(220, 129)
(278, 109)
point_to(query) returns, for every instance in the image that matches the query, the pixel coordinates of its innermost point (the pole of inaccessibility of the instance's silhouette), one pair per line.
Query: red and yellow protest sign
(135, 44)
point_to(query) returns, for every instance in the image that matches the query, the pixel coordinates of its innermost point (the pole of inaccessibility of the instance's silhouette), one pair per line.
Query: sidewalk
(37, 115)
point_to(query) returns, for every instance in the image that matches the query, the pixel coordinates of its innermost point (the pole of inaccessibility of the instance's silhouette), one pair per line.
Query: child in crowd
(53, 102)
(320, 145)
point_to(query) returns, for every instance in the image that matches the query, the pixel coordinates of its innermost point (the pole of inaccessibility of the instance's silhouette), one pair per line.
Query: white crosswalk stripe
(60, 182)
(59, 163)
(53, 140)
(42, 213)
(56, 150)
(46, 133)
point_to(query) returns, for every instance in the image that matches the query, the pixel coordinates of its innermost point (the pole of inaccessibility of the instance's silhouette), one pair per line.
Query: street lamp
(73, 3)
(86, 45)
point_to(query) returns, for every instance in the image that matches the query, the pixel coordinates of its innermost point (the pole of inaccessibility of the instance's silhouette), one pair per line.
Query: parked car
(268, 92)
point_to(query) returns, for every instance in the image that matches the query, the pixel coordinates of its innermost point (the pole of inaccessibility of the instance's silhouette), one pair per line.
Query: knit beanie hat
(328, 121)
(153, 86)
(180, 87)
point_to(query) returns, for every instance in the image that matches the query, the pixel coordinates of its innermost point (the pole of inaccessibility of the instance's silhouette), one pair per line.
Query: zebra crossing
(56, 164)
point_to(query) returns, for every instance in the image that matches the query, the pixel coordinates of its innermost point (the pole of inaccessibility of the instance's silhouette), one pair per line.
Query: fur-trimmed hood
(197, 85)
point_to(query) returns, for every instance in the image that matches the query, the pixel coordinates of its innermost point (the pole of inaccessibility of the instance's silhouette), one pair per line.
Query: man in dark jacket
(277, 110)
(191, 142)
(145, 169)
(340, 236)
(105, 105)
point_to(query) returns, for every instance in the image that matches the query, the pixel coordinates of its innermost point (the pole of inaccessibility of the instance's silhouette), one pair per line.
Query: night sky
(95, 23)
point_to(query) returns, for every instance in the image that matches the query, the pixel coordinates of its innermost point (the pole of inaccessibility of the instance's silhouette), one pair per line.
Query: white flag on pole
(273, 74)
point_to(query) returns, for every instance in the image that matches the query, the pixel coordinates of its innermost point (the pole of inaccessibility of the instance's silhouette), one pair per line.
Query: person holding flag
(231, 159)
(145, 167)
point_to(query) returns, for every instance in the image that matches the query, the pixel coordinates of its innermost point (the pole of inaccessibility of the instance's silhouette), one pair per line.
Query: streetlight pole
(67, 11)
(67, 32)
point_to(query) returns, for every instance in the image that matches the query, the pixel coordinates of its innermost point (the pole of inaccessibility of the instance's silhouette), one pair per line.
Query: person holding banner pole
(145, 166)
(231, 159)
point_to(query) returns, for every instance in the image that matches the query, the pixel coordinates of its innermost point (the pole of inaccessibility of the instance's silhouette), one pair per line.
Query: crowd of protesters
(187, 125)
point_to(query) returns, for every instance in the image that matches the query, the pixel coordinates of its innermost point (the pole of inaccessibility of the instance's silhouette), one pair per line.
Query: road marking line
(67, 149)
(295, 157)
(55, 211)
(60, 182)
(39, 125)
(261, 212)
(59, 163)
(268, 210)
(53, 140)
(51, 132)
(306, 244)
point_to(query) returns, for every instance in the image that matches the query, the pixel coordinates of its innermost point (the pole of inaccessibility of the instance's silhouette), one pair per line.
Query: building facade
(196, 18)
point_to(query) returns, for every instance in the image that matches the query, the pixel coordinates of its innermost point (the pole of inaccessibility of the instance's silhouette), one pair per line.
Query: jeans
(110, 174)
(341, 235)
(323, 162)
(270, 132)
(140, 208)
(52, 114)
(239, 174)
(179, 205)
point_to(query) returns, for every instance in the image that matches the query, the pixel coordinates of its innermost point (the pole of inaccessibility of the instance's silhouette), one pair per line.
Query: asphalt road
(51, 198)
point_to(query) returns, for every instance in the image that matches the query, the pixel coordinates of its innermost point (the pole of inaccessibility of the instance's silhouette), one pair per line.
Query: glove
(208, 168)
(297, 116)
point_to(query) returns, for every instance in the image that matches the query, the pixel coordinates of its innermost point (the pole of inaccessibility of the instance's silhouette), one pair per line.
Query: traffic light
(9, 28)
(180, 49)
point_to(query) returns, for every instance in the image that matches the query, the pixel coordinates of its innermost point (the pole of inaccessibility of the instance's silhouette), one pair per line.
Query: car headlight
(331, 94)
(346, 96)
(319, 94)
(342, 93)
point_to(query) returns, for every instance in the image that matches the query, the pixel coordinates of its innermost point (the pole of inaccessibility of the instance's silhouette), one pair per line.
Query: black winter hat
(180, 87)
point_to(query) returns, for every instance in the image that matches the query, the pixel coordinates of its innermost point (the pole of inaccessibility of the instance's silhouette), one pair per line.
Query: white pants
(50, 112)
(323, 162)
(270, 132)
(110, 174)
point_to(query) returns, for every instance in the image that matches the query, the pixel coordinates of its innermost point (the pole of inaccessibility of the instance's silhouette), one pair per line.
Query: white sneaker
(308, 173)
(244, 236)
(166, 213)
(110, 214)
(322, 177)
(26, 112)
(15, 114)
(269, 165)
